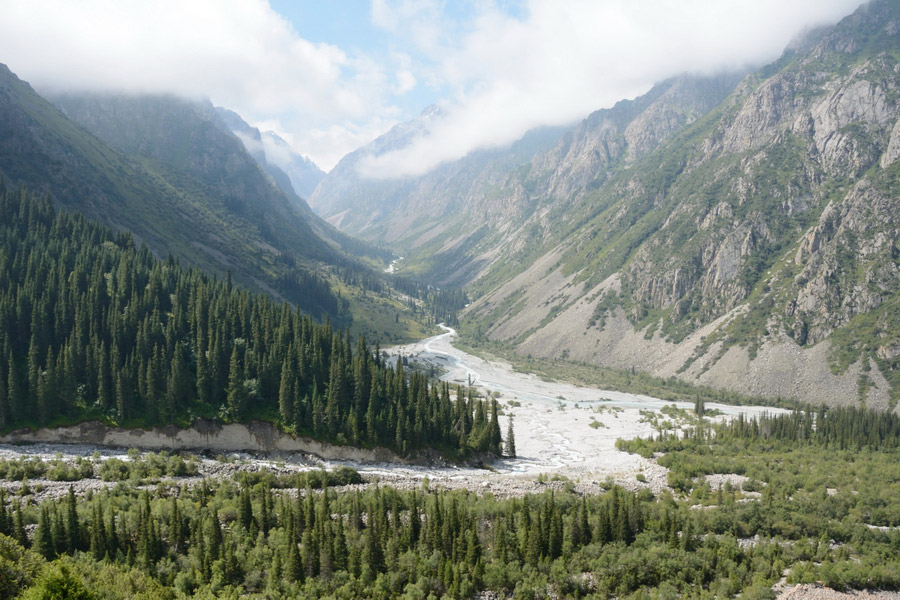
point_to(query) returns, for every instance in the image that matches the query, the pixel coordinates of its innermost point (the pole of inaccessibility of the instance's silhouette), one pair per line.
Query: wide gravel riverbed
(565, 434)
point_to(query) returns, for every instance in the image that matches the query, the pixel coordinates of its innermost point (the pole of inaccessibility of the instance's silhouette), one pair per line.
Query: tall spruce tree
(510, 448)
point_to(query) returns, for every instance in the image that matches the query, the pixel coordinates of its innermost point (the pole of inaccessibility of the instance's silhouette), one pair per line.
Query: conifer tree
(123, 396)
(34, 372)
(203, 376)
(496, 440)
(97, 534)
(4, 403)
(73, 528)
(286, 394)
(92, 321)
(245, 514)
(19, 527)
(44, 535)
(104, 384)
(47, 391)
(16, 392)
(510, 439)
(236, 394)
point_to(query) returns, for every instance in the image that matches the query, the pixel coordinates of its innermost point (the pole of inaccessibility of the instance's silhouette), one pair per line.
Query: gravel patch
(719, 481)
(809, 591)
(565, 439)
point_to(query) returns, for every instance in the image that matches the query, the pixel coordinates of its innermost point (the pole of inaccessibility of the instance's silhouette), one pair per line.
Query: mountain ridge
(183, 191)
(707, 229)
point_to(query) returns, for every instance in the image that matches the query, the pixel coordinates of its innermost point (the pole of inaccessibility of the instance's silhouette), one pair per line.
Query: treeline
(362, 277)
(92, 326)
(841, 428)
(439, 305)
(442, 304)
(229, 540)
(311, 293)
(805, 511)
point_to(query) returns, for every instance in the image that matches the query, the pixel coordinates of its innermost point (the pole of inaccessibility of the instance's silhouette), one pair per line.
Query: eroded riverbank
(565, 435)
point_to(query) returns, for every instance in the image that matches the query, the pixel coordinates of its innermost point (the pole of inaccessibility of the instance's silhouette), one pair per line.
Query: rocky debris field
(809, 591)
(564, 434)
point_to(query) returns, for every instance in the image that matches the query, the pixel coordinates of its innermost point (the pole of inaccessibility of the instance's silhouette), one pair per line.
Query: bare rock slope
(256, 436)
(739, 231)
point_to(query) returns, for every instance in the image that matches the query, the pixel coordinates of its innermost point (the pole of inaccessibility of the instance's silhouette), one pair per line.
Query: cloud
(239, 53)
(563, 60)
(252, 145)
(406, 81)
(501, 66)
(333, 142)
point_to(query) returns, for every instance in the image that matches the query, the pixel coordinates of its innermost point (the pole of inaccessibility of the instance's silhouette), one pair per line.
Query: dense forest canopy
(798, 512)
(91, 326)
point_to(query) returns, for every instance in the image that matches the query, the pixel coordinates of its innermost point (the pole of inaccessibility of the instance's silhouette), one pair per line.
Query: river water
(564, 431)
(499, 377)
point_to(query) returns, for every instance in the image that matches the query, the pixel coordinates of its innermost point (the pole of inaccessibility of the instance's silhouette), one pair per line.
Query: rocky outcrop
(303, 173)
(757, 253)
(256, 436)
(504, 189)
(893, 149)
(749, 224)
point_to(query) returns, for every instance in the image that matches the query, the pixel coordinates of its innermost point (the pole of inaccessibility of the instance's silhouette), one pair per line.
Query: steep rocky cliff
(740, 231)
(303, 173)
(269, 151)
(756, 249)
(295, 175)
(413, 211)
(454, 220)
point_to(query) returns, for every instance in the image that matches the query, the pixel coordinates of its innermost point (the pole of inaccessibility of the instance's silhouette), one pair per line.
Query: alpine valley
(650, 353)
(738, 231)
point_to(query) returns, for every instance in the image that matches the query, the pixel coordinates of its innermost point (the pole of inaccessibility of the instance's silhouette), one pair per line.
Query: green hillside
(93, 327)
(215, 220)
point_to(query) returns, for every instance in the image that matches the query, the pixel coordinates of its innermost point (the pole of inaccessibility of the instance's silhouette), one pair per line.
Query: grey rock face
(772, 223)
(893, 148)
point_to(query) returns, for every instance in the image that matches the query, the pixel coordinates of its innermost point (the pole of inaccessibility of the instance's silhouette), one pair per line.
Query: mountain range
(187, 179)
(737, 230)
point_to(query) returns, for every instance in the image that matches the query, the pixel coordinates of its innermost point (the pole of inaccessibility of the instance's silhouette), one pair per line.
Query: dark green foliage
(181, 185)
(229, 534)
(152, 466)
(510, 444)
(442, 304)
(246, 537)
(58, 582)
(18, 567)
(91, 326)
(810, 507)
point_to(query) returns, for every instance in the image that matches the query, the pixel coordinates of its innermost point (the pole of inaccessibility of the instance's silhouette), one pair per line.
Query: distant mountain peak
(431, 111)
(304, 174)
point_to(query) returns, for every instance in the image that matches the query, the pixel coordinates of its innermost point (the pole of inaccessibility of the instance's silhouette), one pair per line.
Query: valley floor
(565, 435)
(563, 431)
(565, 439)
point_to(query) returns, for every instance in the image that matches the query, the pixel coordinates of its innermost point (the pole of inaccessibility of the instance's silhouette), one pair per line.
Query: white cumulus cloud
(565, 59)
(239, 53)
(502, 66)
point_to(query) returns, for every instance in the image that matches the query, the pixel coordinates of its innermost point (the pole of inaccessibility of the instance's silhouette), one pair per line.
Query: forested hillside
(178, 175)
(188, 189)
(792, 512)
(91, 326)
